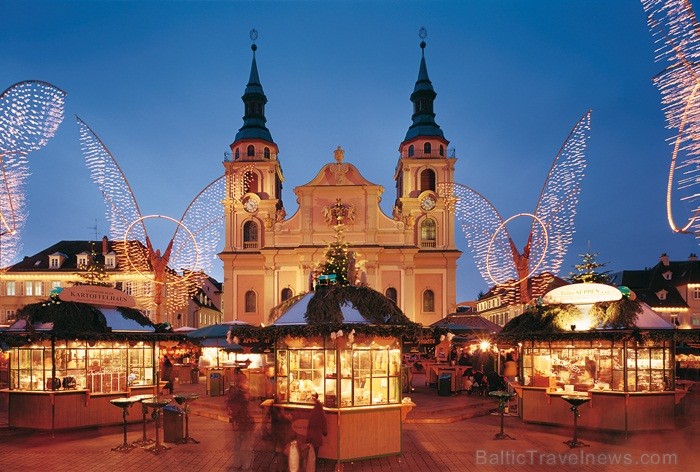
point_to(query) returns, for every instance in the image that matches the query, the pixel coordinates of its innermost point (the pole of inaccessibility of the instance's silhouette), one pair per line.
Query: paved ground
(442, 434)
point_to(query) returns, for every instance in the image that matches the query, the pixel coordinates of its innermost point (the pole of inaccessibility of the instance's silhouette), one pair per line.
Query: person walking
(316, 430)
(242, 423)
(282, 434)
(167, 374)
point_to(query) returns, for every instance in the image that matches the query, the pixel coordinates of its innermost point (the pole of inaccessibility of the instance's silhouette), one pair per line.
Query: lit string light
(675, 29)
(192, 249)
(496, 255)
(30, 113)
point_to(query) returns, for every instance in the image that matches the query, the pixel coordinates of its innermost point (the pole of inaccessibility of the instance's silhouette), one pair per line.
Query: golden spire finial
(339, 155)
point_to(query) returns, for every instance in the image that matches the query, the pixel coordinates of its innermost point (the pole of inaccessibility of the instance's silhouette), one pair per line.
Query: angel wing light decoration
(30, 113)
(188, 258)
(524, 275)
(675, 29)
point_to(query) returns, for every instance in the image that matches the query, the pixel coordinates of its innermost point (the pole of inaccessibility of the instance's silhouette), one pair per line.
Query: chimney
(693, 257)
(105, 249)
(664, 259)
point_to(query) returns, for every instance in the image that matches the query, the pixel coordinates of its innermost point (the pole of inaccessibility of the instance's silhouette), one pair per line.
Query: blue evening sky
(160, 83)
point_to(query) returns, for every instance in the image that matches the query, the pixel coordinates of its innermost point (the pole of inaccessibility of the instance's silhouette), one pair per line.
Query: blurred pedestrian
(238, 406)
(167, 374)
(316, 430)
(282, 434)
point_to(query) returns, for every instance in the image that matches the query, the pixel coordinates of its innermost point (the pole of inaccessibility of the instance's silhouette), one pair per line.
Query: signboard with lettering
(97, 295)
(582, 294)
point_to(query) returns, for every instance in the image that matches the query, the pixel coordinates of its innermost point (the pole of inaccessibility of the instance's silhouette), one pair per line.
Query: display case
(362, 373)
(100, 367)
(602, 365)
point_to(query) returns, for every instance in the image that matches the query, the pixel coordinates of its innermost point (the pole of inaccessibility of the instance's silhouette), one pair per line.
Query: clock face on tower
(251, 205)
(428, 202)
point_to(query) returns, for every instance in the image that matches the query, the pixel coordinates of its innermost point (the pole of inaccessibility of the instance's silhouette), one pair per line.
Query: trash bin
(215, 383)
(445, 385)
(173, 424)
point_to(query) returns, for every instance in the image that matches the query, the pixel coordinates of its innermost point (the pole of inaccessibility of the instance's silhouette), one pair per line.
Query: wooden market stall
(343, 343)
(69, 359)
(625, 364)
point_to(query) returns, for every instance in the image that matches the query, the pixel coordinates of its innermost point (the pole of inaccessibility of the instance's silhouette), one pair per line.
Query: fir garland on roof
(325, 305)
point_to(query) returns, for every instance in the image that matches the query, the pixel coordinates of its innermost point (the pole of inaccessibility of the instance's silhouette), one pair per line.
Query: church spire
(254, 100)
(423, 97)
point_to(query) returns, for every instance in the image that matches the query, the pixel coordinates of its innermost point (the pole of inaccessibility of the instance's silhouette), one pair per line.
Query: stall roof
(458, 323)
(218, 330)
(295, 314)
(119, 323)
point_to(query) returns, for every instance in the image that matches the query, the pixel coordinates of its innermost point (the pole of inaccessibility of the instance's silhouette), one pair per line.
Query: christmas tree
(587, 270)
(93, 273)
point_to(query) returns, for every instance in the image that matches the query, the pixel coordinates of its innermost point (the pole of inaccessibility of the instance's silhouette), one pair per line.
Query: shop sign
(97, 295)
(582, 294)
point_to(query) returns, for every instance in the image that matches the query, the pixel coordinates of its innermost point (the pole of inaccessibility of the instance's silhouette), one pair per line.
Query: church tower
(424, 177)
(253, 201)
(270, 256)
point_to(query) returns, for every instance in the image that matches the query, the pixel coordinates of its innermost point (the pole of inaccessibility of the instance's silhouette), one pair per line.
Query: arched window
(238, 153)
(251, 302)
(427, 180)
(251, 150)
(250, 182)
(411, 150)
(426, 149)
(428, 233)
(390, 293)
(250, 235)
(442, 150)
(428, 301)
(266, 153)
(286, 293)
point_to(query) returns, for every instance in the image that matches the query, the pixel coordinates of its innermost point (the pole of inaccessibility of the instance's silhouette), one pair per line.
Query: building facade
(270, 256)
(67, 263)
(670, 288)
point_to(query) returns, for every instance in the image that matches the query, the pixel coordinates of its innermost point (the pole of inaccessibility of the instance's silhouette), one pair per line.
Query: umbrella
(221, 343)
(218, 330)
(184, 329)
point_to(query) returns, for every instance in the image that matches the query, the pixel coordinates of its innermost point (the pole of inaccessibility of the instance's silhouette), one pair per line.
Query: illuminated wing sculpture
(30, 113)
(675, 29)
(496, 255)
(192, 249)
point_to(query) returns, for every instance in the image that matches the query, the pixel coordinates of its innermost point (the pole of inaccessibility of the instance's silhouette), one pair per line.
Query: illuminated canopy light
(496, 256)
(193, 247)
(30, 113)
(674, 27)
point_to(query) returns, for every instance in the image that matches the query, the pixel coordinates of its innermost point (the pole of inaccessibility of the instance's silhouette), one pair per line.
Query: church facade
(270, 256)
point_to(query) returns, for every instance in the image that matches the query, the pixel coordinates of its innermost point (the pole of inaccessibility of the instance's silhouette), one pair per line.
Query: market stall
(68, 360)
(352, 361)
(624, 365)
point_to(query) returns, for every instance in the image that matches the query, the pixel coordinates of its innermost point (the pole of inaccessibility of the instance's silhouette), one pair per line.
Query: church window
(250, 182)
(390, 293)
(411, 150)
(428, 301)
(286, 293)
(251, 302)
(250, 235)
(427, 180)
(251, 150)
(238, 153)
(426, 149)
(266, 153)
(442, 150)
(428, 233)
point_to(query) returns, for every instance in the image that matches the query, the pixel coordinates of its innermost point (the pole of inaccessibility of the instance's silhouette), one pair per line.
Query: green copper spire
(423, 97)
(254, 100)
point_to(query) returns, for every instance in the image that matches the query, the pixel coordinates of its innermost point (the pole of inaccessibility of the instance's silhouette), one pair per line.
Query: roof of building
(69, 249)
(658, 286)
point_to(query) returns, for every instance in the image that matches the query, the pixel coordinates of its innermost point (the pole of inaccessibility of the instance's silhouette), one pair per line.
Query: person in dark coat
(282, 434)
(167, 374)
(317, 428)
